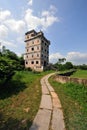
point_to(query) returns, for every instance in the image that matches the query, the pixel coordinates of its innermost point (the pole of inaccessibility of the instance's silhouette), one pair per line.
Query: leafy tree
(9, 63)
(59, 66)
(61, 60)
(6, 69)
(21, 61)
(68, 65)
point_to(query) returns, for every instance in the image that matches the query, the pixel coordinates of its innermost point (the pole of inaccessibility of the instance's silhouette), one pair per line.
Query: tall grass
(73, 98)
(80, 74)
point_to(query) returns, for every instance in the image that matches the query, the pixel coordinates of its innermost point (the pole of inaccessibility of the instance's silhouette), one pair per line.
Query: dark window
(37, 62)
(26, 62)
(32, 35)
(45, 63)
(42, 41)
(33, 42)
(32, 62)
(27, 50)
(32, 49)
(37, 55)
(42, 55)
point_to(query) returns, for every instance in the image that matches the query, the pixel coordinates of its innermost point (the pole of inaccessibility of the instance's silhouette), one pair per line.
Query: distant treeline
(61, 65)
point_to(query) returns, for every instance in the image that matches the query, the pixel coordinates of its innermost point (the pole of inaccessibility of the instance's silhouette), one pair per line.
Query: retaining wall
(64, 79)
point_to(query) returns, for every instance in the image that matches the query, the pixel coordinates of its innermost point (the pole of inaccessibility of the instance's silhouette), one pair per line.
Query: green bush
(9, 63)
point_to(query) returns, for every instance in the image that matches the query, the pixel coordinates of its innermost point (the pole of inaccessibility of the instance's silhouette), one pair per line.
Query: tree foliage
(68, 65)
(9, 63)
(61, 60)
(60, 65)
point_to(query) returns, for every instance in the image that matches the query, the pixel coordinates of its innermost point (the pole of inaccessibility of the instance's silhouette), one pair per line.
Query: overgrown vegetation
(9, 63)
(73, 98)
(19, 100)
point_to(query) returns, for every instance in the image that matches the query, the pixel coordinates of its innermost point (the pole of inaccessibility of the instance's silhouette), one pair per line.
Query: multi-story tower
(37, 50)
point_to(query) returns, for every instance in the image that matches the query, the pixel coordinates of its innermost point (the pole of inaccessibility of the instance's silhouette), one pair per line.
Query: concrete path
(50, 115)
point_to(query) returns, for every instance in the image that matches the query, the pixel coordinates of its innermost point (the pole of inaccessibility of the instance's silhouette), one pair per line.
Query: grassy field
(19, 101)
(73, 98)
(80, 74)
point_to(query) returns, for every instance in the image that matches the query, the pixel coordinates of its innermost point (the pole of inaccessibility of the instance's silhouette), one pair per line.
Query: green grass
(73, 98)
(19, 101)
(80, 74)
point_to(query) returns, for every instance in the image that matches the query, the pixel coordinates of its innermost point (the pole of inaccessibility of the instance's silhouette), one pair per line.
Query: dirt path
(50, 115)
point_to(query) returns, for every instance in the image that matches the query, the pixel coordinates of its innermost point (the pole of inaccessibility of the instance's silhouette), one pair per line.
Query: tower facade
(37, 50)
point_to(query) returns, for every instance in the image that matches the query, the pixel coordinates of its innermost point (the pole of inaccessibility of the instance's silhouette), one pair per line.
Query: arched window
(32, 62)
(37, 62)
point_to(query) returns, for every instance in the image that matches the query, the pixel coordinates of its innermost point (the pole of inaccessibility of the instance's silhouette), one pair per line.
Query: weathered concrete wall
(64, 79)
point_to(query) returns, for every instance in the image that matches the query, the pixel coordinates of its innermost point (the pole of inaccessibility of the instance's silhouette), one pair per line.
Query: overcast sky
(64, 23)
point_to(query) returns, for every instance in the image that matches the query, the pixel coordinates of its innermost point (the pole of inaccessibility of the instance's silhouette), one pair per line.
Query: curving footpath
(50, 115)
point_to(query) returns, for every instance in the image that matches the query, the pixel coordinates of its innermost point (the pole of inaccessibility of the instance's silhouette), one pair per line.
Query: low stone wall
(64, 79)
